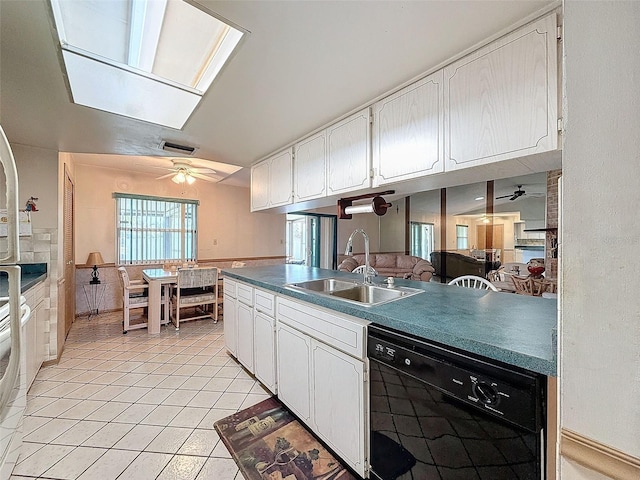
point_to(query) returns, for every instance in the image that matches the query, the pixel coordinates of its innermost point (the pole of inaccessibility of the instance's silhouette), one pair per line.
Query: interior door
(490, 236)
(68, 249)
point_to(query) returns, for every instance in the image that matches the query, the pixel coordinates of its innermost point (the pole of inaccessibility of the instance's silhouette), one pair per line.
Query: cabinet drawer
(230, 287)
(265, 302)
(342, 332)
(244, 294)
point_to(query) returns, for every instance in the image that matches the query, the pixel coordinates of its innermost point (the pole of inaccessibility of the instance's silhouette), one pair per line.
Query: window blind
(153, 230)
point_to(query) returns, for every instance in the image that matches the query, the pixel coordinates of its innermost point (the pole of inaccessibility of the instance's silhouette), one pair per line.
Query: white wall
(37, 177)
(600, 329)
(224, 215)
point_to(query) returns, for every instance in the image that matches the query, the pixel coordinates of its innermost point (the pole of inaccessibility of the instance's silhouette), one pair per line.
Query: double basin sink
(354, 292)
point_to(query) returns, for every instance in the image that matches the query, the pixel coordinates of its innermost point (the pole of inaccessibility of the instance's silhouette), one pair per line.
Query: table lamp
(95, 259)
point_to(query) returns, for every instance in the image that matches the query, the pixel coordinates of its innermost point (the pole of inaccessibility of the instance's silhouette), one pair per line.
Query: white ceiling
(303, 64)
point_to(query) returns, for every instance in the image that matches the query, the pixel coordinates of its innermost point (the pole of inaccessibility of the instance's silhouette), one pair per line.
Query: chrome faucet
(349, 251)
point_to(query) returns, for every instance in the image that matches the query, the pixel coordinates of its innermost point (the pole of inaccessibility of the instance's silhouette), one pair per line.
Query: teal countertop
(514, 329)
(30, 275)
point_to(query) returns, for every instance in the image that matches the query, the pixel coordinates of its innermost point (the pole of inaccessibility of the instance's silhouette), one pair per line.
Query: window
(155, 230)
(311, 240)
(421, 239)
(462, 237)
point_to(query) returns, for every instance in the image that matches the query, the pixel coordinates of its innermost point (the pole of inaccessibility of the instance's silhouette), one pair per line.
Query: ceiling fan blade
(504, 196)
(202, 170)
(166, 176)
(203, 177)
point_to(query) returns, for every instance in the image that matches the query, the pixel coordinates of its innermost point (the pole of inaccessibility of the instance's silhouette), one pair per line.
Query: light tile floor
(135, 406)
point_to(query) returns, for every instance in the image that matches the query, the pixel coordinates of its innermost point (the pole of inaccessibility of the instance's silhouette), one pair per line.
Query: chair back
(236, 264)
(471, 281)
(124, 277)
(527, 285)
(199, 277)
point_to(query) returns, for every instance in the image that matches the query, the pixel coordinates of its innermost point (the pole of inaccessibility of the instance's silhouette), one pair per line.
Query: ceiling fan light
(179, 178)
(190, 179)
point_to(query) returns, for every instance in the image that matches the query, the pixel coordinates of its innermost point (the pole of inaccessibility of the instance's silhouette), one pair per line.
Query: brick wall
(551, 248)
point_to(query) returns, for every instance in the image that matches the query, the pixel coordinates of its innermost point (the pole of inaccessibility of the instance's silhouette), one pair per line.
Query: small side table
(94, 293)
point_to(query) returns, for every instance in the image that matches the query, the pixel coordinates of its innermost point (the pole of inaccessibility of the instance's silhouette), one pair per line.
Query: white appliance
(13, 313)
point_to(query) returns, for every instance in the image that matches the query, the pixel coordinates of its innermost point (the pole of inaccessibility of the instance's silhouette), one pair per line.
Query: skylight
(146, 59)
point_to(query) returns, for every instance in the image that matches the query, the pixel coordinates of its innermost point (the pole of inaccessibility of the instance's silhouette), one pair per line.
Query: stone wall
(551, 247)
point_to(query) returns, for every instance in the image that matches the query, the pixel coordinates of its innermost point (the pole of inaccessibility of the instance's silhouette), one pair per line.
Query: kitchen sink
(354, 292)
(325, 285)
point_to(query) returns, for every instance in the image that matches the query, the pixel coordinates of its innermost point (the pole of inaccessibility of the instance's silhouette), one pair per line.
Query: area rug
(268, 443)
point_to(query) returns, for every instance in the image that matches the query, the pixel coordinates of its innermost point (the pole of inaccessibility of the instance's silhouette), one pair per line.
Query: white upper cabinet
(349, 153)
(310, 172)
(272, 181)
(408, 132)
(260, 185)
(501, 101)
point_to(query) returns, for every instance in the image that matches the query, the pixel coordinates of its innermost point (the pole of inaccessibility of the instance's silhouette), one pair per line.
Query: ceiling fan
(182, 171)
(516, 194)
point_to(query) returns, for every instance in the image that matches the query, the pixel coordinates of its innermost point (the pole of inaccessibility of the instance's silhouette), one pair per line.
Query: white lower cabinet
(34, 332)
(230, 323)
(264, 350)
(319, 381)
(339, 402)
(264, 338)
(294, 370)
(245, 335)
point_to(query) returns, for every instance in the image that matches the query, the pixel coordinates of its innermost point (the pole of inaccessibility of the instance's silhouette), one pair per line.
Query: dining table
(157, 278)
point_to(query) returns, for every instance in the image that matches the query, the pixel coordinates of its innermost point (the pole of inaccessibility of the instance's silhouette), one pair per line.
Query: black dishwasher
(441, 414)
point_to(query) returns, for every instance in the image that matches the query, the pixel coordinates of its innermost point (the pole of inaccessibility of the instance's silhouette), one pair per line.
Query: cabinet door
(339, 403)
(245, 335)
(293, 351)
(260, 186)
(349, 153)
(501, 101)
(230, 324)
(310, 172)
(408, 132)
(281, 179)
(265, 352)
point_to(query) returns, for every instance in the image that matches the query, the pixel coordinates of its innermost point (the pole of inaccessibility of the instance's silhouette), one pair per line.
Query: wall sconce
(377, 205)
(95, 259)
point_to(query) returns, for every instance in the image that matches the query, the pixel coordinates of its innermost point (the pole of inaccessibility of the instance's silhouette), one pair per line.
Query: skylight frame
(205, 71)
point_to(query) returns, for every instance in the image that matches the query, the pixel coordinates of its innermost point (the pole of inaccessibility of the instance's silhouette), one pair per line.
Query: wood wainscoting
(598, 457)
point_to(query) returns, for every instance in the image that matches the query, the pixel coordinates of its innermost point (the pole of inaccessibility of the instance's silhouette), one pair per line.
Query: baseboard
(599, 457)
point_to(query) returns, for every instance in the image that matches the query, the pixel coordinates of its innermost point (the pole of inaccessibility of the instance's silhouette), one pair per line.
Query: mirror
(495, 229)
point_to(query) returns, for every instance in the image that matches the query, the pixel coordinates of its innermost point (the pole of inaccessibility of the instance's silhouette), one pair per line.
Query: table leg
(153, 325)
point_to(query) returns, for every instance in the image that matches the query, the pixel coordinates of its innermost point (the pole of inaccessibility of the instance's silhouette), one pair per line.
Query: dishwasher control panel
(510, 395)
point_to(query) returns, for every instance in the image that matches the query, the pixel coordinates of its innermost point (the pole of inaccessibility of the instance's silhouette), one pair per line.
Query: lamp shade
(95, 259)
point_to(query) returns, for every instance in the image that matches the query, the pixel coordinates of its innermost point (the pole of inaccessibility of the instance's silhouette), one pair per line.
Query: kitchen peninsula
(514, 329)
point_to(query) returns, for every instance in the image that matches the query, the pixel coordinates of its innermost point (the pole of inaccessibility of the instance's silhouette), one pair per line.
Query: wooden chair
(196, 287)
(495, 275)
(135, 294)
(471, 281)
(527, 285)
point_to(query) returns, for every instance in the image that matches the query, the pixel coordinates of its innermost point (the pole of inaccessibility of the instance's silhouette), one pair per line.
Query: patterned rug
(268, 443)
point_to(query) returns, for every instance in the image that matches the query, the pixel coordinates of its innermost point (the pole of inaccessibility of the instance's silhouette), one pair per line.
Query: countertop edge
(522, 360)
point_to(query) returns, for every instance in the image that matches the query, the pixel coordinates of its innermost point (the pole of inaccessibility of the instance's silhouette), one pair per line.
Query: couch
(392, 265)
(458, 265)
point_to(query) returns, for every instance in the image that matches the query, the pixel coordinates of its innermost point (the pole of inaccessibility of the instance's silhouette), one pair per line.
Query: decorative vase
(536, 267)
